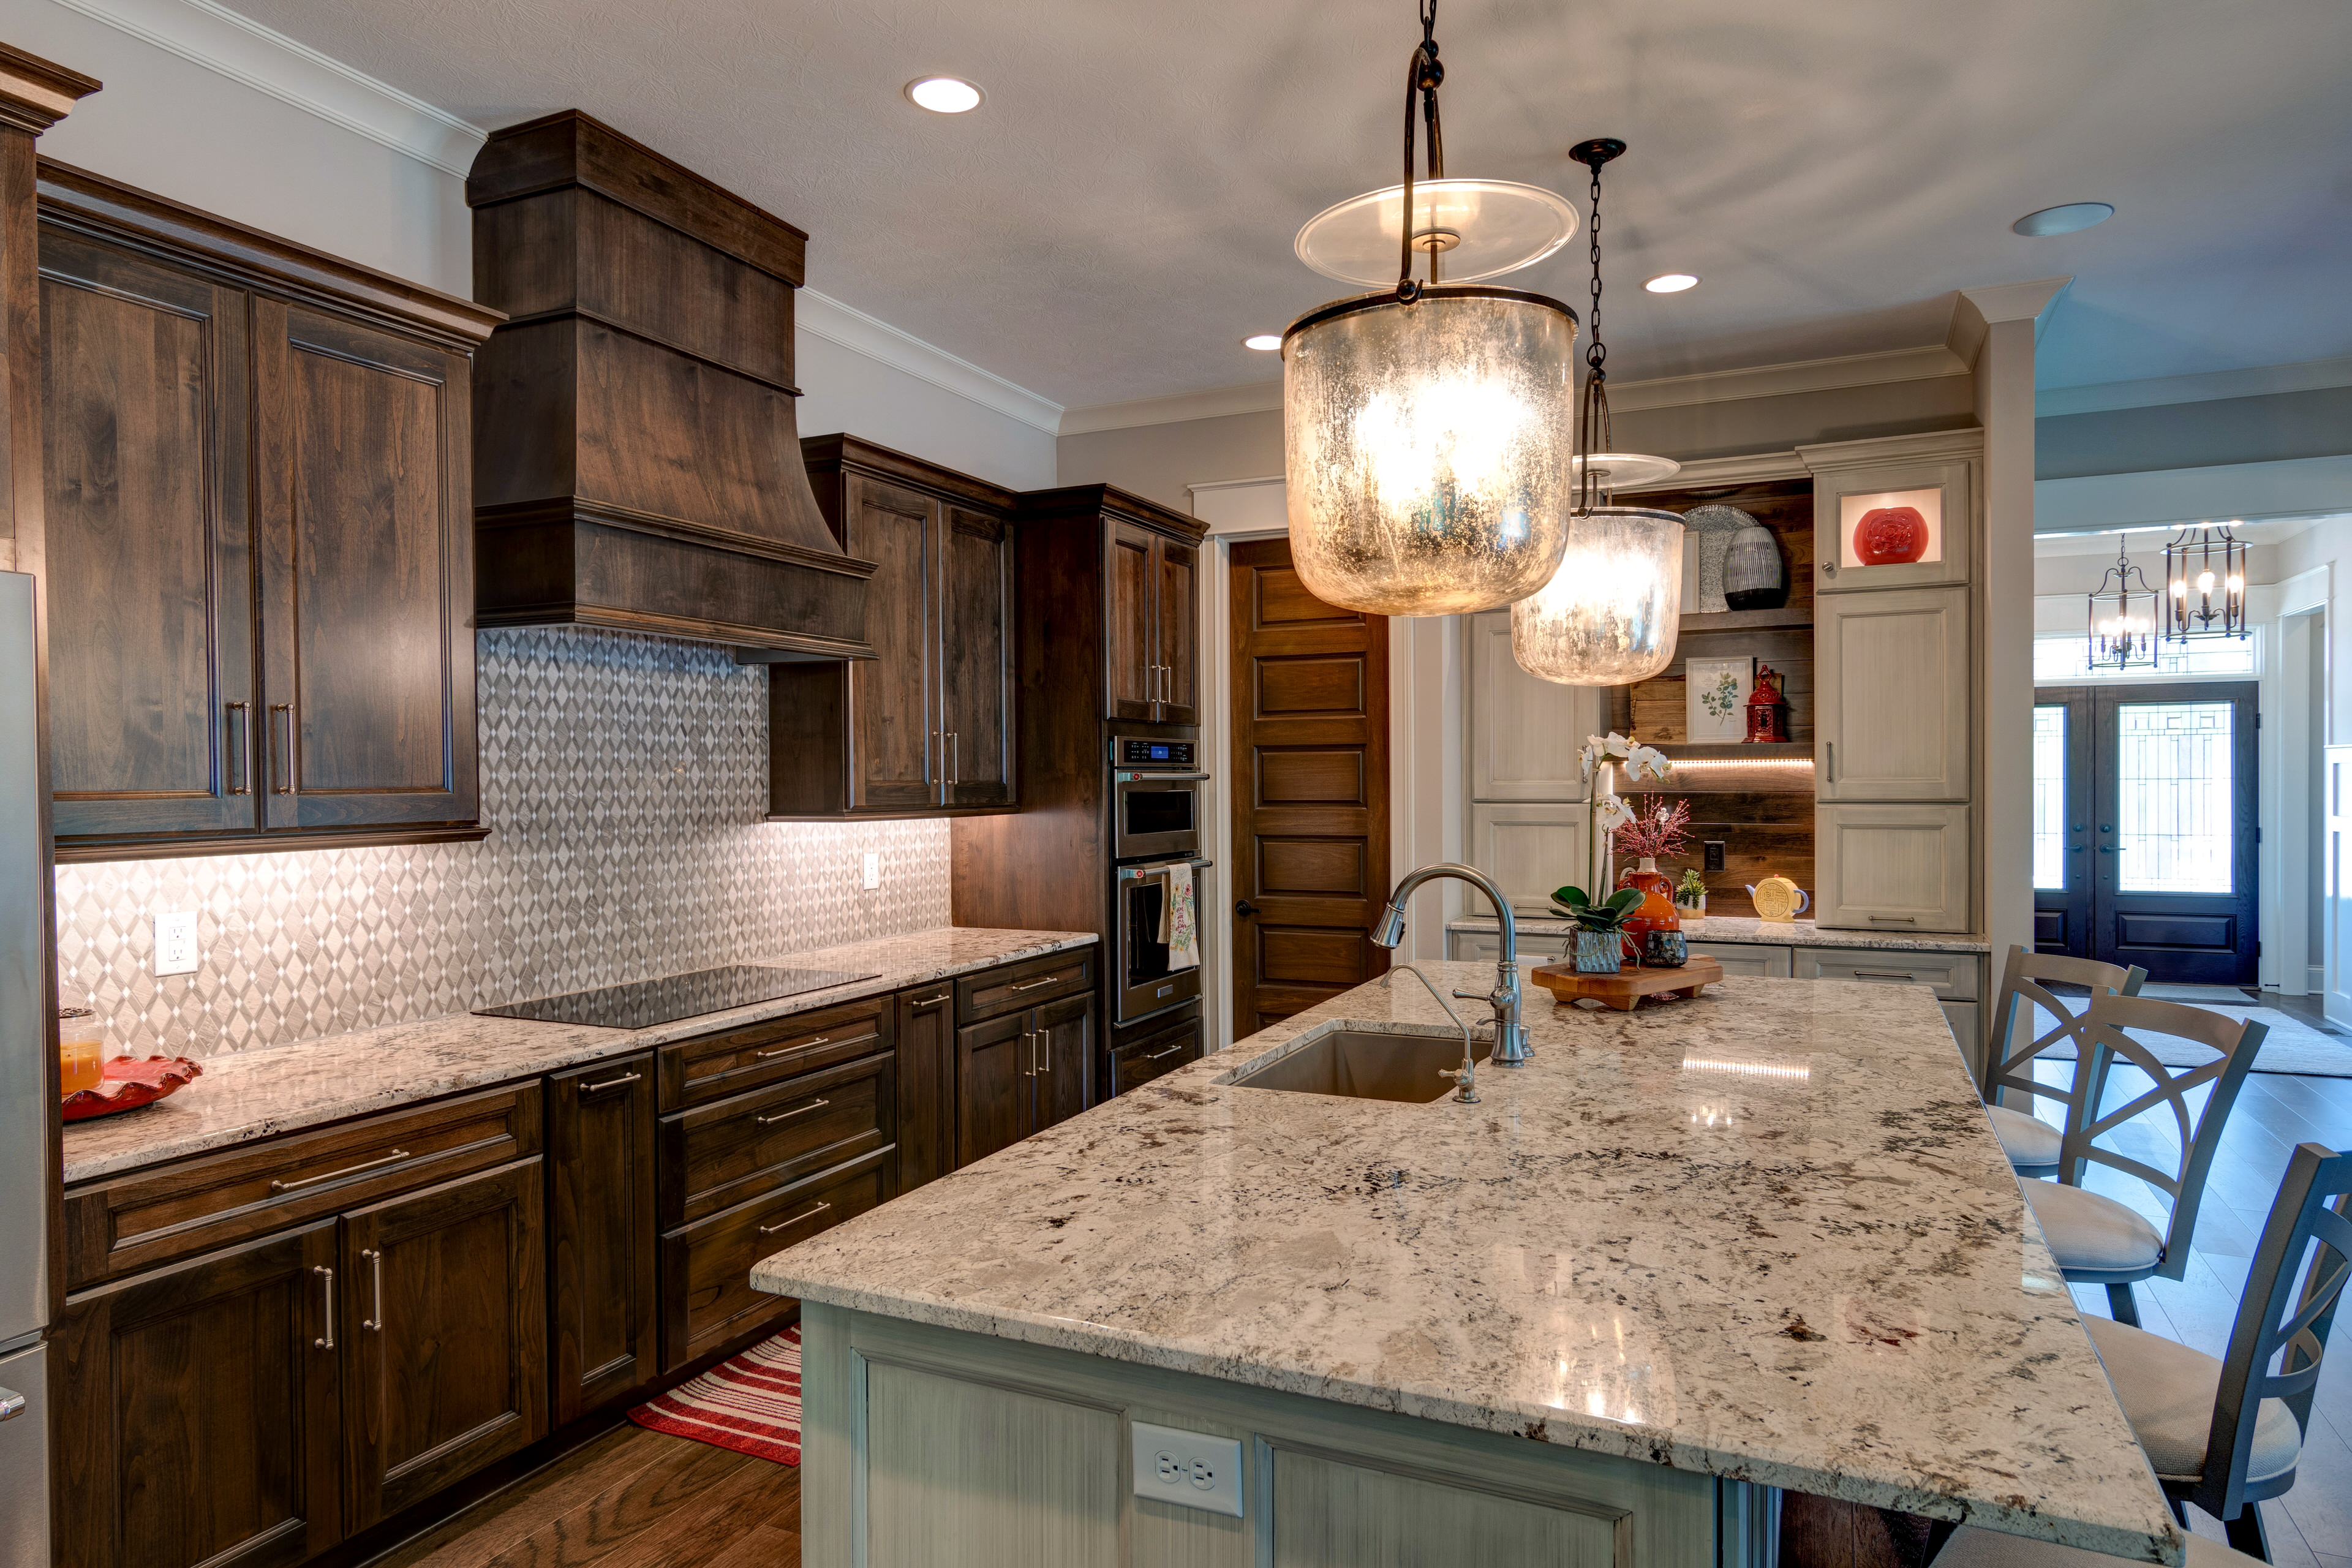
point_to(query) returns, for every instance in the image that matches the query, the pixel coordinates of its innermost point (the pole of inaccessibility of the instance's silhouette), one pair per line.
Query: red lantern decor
(1767, 710)
(1890, 536)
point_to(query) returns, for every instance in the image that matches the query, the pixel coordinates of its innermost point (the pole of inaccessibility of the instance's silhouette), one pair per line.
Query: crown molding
(1925, 363)
(1918, 446)
(2262, 381)
(1975, 311)
(877, 340)
(245, 51)
(1216, 403)
(1709, 473)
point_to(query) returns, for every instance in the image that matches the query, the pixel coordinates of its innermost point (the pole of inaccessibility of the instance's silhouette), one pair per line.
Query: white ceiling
(1119, 213)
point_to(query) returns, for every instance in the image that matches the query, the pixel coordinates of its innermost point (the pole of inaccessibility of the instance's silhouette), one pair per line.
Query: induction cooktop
(642, 1004)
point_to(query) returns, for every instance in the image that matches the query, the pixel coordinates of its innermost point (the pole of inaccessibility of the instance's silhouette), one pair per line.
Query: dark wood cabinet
(1022, 1072)
(1153, 1049)
(602, 1310)
(1064, 1048)
(199, 1411)
(926, 726)
(444, 1308)
(1150, 624)
(927, 1076)
(257, 491)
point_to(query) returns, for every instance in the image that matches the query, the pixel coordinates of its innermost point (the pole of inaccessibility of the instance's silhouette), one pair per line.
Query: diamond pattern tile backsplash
(623, 783)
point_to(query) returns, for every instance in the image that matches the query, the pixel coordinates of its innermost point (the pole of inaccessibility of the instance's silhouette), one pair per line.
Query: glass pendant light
(1428, 429)
(1609, 614)
(2205, 584)
(2123, 617)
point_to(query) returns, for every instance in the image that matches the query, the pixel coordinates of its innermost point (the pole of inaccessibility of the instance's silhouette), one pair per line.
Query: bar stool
(1974, 1546)
(2096, 1239)
(2031, 1144)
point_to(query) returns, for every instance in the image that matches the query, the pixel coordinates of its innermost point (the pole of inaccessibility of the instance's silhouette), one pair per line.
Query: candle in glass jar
(81, 1050)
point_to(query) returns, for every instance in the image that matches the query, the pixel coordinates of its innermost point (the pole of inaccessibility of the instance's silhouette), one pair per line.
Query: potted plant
(1657, 829)
(1690, 893)
(1600, 927)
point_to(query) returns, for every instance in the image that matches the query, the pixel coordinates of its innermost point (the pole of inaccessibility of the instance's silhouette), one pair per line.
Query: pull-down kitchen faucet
(1510, 1035)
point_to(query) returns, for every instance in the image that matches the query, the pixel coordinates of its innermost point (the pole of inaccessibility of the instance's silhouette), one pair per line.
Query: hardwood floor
(632, 1498)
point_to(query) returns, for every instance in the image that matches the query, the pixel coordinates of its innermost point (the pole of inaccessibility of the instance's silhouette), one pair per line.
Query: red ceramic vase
(1656, 911)
(1890, 536)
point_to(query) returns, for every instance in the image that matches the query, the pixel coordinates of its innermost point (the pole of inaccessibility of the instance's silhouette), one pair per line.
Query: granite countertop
(254, 1094)
(1765, 1234)
(1765, 934)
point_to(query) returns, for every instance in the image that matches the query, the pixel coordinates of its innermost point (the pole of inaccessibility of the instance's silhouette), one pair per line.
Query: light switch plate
(873, 870)
(1190, 1470)
(175, 942)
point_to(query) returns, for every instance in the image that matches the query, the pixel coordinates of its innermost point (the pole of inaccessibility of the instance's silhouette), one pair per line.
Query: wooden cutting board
(1626, 989)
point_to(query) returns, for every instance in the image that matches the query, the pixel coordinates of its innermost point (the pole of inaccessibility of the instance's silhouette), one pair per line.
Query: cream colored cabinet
(1745, 959)
(1893, 868)
(1487, 946)
(1525, 733)
(1953, 975)
(1529, 849)
(1892, 682)
(1854, 480)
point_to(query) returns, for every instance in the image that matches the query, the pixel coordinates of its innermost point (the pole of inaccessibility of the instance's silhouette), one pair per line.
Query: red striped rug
(750, 1404)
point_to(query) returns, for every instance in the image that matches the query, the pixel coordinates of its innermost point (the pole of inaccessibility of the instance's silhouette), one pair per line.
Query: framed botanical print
(1718, 698)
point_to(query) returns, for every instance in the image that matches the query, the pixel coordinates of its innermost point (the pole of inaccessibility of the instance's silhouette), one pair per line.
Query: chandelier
(2205, 584)
(1428, 428)
(2123, 617)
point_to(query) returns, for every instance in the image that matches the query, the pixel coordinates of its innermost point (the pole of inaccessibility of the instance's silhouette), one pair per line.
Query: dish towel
(1180, 925)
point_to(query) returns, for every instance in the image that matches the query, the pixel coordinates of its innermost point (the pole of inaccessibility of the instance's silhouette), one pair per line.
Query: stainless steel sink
(1358, 1064)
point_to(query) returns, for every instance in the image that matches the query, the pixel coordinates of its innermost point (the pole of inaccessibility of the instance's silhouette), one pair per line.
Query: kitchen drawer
(1746, 958)
(121, 1223)
(1953, 974)
(707, 1301)
(732, 1149)
(1155, 1056)
(995, 992)
(712, 1066)
(1488, 946)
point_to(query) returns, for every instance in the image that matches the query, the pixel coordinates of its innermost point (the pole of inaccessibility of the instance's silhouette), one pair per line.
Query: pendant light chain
(1593, 433)
(1421, 75)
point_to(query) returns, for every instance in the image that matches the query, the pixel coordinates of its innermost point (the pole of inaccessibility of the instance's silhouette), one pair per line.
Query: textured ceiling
(1119, 212)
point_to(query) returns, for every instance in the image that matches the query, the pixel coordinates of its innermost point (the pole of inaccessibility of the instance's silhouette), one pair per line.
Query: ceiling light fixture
(1672, 282)
(2123, 617)
(1265, 342)
(2071, 218)
(1609, 614)
(943, 94)
(1428, 428)
(2205, 584)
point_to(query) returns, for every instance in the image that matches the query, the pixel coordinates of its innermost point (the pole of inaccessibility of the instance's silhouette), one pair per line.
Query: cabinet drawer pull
(373, 1323)
(327, 1274)
(1171, 1051)
(236, 737)
(610, 1083)
(281, 747)
(1887, 974)
(1032, 985)
(933, 1001)
(788, 1224)
(788, 1050)
(395, 1157)
(1895, 920)
(788, 1115)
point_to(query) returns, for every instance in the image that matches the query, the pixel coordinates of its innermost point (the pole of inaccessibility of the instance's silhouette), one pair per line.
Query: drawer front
(992, 992)
(1746, 958)
(127, 1223)
(720, 1154)
(707, 1301)
(712, 1066)
(1953, 974)
(1488, 946)
(1155, 1056)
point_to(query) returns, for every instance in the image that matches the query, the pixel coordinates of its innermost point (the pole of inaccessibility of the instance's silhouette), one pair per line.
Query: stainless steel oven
(1156, 797)
(1142, 981)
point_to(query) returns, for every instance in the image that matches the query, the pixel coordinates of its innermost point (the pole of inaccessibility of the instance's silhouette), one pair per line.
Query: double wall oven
(1158, 804)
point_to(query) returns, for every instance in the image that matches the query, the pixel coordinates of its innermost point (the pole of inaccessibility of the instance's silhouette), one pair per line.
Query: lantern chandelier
(1611, 612)
(2123, 617)
(2205, 584)
(1428, 429)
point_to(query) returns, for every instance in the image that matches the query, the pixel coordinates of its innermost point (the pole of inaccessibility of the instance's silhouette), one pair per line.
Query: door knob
(1244, 907)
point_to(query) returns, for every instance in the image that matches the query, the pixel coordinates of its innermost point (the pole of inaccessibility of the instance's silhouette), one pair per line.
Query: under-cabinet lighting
(1679, 764)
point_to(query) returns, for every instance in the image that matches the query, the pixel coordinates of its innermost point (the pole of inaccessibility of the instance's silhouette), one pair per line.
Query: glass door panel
(2049, 797)
(2174, 801)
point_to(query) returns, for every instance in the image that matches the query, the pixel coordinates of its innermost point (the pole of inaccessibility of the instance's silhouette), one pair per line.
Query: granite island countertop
(1748, 929)
(255, 1094)
(1767, 1234)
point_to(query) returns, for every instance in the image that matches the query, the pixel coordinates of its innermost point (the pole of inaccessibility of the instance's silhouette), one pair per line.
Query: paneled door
(976, 657)
(1133, 646)
(604, 1299)
(1891, 680)
(894, 702)
(1175, 613)
(2151, 826)
(1310, 790)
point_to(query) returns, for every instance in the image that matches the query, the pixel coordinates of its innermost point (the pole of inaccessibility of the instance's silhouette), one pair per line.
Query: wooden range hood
(636, 460)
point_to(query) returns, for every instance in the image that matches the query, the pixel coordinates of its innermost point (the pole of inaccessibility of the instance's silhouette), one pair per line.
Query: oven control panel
(1138, 753)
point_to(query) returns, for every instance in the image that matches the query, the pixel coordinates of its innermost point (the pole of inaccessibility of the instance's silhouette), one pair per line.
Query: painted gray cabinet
(1525, 732)
(1892, 676)
(1893, 868)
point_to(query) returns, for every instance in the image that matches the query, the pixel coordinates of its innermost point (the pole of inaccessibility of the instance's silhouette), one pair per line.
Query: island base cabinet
(923, 1445)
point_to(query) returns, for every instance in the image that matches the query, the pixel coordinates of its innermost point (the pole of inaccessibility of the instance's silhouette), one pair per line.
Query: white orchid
(1640, 762)
(1648, 763)
(1610, 813)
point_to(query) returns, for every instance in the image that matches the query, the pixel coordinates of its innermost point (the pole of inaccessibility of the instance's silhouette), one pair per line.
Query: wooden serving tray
(1626, 989)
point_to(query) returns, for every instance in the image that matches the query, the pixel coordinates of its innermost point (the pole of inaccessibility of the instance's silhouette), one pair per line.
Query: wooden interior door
(976, 656)
(445, 1313)
(1310, 789)
(150, 545)
(1176, 618)
(365, 541)
(1132, 645)
(894, 700)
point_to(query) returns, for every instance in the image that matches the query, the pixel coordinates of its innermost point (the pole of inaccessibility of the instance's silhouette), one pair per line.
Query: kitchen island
(1687, 1257)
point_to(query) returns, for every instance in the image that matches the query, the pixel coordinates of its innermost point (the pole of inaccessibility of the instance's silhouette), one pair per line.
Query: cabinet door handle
(281, 747)
(12, 1405)
(1028, 1055)
(1032, 985)
(625, 1077)
(236, 737)
(788, 1050)
(373, 1323)
(327, 1274)
(788, 1224)
(1832, 769)
(1043, 1057)
(394, 1158)
(1895, 920)
(788, 1115)
(955, 757)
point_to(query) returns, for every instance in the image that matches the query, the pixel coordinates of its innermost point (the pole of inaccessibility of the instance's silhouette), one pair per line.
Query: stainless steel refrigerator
(26, 1107)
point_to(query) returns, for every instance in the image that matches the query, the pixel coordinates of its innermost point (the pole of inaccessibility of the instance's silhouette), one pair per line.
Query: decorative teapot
(1779, 899)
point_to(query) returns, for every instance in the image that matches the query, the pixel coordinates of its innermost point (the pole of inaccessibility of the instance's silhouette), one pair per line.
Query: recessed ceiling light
(2065, 219)
(1265, 342)
(1672, 282)
(943, 94)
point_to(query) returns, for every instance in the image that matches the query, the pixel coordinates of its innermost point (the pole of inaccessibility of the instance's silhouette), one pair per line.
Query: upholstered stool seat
(2028, 1140)
(2091, 1235)
(1972, 1546)
(2167, 1392)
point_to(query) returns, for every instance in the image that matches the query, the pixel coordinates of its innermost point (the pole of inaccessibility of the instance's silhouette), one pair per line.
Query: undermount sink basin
(1358, 1064)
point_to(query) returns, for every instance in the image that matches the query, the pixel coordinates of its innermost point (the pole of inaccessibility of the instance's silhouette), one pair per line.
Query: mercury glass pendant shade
(1429, 446)
(1610, 614)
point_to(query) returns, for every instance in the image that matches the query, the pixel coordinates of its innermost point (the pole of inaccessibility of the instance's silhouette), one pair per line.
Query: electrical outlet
(873, 870)
(1713, 854)
(175, 942)
(1190, 1470)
